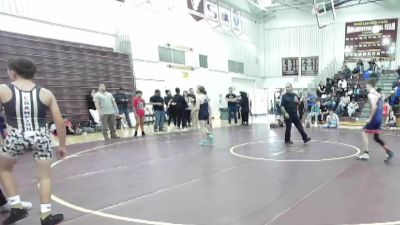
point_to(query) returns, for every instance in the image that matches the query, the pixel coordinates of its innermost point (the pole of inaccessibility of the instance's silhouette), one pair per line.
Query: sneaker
(307, 140)
(390, 156)
(203, 143)
(6, 207)
(135, 135)
(15, 215)
(364, 156)
(210, 139)
(52, 219)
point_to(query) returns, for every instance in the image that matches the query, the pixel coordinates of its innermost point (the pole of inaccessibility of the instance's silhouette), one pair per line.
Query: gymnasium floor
(248, 177)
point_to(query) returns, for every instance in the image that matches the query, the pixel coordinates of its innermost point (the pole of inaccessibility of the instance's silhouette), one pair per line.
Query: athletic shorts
(18, 142)
(373, 127)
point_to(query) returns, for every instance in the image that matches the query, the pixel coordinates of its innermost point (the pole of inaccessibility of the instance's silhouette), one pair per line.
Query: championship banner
(290, 66)
(211, 13)
(309, 66)
(225, 18)
(371, 39)
(236, 21)
(196, 9)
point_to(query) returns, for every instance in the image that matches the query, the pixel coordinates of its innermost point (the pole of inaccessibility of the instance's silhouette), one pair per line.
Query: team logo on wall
(211, 13)
(236, 21)
(196, 9)
(225, 18)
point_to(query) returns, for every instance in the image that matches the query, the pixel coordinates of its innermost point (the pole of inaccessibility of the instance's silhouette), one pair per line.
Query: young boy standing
(138, 109)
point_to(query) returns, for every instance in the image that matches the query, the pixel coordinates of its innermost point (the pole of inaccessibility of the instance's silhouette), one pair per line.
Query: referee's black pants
(294, 118)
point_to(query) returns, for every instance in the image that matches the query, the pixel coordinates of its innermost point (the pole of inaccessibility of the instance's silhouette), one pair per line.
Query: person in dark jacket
(90, 104)
(168, 105)
(245, 108)
(122, 100)
(179, 105)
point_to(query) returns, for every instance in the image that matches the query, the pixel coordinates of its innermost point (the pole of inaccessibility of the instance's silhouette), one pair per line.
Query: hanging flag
(196, 9)
(236, 21)
(211, 13)
(225, 18)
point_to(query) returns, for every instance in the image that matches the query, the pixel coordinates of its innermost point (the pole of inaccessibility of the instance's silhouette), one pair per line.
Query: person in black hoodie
(90, 104)
(245, 108)
(122, 100)
(179, 105)
(168, 105)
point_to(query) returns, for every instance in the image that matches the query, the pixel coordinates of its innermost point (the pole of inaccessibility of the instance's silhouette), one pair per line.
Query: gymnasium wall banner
(225, 18)
(371, 39)
(290, 66)
(216, 14)
(236, 21)
(309, 66)
(196, 9)
(211, 13)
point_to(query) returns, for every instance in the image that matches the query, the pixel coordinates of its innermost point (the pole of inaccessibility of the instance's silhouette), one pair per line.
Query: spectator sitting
(393, 100)
(321, 89)
(331, 103)
(391, 121)
(310, 101)
(386, 110)
(359, 66)
(344, 101)
(329, 86)
(332, 120)
(356, 91)
(342, 85)
(398, 72)
(314, 114)
(324, 112)
(352, 108)
(346, 71)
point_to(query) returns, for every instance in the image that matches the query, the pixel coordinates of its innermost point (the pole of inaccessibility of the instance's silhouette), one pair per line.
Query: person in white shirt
(344, 101)
(352, 108)
(332, 120)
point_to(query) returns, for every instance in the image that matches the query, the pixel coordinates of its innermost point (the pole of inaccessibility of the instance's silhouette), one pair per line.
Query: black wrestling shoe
(289, 142)
(52, 219)
(390, 156)
(307, 140)
(15, 215)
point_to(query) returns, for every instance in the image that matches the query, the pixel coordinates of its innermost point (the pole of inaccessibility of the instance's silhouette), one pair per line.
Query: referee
(289, 105)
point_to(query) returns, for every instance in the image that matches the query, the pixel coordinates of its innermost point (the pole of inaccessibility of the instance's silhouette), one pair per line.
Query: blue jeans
(232, 114)
(124, 111)
(159, 122)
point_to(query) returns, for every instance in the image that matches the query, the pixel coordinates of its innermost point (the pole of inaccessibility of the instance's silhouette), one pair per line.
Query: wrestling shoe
(6, 207)
(52, 219)
(390, 156)
(15, 215)
(364, 156)
(210, 139)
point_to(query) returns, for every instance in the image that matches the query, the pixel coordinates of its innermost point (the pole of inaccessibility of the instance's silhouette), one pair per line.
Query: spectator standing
(192, 104)
(122, 100)
(107, 108)
(158, 107)
(179, 105)
(232, 105)
(91, 105)
(188, 110)
(386, 110)
(245, 108)
(170, 109)
(346, 72)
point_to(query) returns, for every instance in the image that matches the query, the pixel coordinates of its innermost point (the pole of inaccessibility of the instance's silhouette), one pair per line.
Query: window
(171, 55)
(235, 67)
(203, 61)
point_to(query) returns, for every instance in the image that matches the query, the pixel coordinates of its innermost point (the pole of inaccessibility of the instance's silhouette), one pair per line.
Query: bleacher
(70, 70)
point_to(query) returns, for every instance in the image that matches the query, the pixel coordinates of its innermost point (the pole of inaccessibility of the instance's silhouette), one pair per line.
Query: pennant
(196, 9)
(225, 18)
(211, 13)
(236, 21)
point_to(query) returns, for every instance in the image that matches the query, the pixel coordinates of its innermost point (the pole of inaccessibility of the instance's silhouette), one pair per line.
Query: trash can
(223, 113)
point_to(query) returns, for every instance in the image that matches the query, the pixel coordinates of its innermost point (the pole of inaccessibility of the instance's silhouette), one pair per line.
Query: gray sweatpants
(108, 121)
